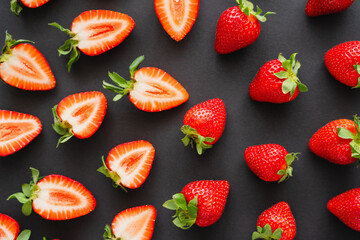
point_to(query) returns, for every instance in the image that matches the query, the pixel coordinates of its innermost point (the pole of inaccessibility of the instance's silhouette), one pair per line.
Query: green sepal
(122, 88)
(116, 179)
(62, 128)
(134, 66)
(287, 173)
(248, 8)
(267, 233)
(108, 234)
(186, 213)
(355, 143)
(357, 68)
(9, 44)
(24, 235)
(192, 136)
(15, 7)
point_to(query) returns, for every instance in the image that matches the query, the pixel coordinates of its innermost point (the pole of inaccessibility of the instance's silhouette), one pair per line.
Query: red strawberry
(278, 218)
(79, 115)
(135, 223)
(238, 27)
(346, 207)
(323, 7)
(177, 16)
(55, 197)
(270, 162)
(200, 202)
(16, 5)
(129, 164)
(9, 229)
(337, 141)
(342, 62)
(16, 131)
(150, 89)
(24, 67)
(204, 124)
(95, 32)
(277, 81)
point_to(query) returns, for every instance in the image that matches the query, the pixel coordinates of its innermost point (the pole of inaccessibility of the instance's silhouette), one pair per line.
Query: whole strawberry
(346, 207)
(277, 81)
(337, 141)
(204, 124)
(270, 162)
(200, 202)
(342, 62)
(323, 7)
(276, 223)
(238, 27)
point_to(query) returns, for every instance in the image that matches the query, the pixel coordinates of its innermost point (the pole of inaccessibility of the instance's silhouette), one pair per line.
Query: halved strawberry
(9, 229)
(24, 67)
(16, 5)
(150, 89)
(55, 197)
(129, 164)
(79, 115)
(16, 131)
(135, 223)
(95, 32)
(177, 16)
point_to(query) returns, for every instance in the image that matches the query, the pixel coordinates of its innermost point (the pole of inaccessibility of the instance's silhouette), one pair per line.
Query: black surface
(205, 74)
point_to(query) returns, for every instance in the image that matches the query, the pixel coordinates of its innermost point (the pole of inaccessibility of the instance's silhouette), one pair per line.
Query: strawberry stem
(357, 68)
(192, 136)
(16, 7)
(108, 234)
(247, 7)
(266, 233)
(61, 127)
(9, 44)
(111, 174)
(287, 173)
(355, 143)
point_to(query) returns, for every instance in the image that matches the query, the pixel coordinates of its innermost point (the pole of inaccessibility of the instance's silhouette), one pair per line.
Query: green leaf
(19, 196)
(122, 82)
(282, 74)
(58, 26)
(74, 57)
(15, 7)
(24, 235)
(27, 208)
(35, 174)
(27, 189)
(281, 58)
(180, 201)
(287, 65)
(267, 230)
(345, 133)
(256, 235)
(170, 204)
(287, 86)
(296, 67)
(277, 233)
(281, 172)
(108, 235)
(302, 87)
(135, 65)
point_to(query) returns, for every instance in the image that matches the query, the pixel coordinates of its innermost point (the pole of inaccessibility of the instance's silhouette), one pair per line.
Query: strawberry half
(16, 131)
(129, 164)
(55, 197)
(135, 223)
(24, 67)
(79, 115)
(95, 32)
(150, 89)
(323, 7)
(15, 5)
(177, 16)
(9, 229)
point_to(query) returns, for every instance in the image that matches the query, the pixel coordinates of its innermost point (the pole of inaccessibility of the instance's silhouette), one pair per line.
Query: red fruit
(79, 115)
(278, 218)
(55, 197)
(24, 67)
(200, 202)
(150, 89)
(346, 207)
(337, 141)
(270, 162)
(342, 62)
(129, 164)
(238, 27)
(95, 32)
(204, 124)
(323, 7)
(9, 229)
(277, 81)
(16, 131)
(16, 6)
(177, 16)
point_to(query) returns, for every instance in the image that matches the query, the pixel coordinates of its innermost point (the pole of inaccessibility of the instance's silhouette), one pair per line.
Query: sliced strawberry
(24, 67)
(80, 114)
(177, 16)
(9, 228)
(129, 164)
(150, 89)
(16, 131)
(16, 5)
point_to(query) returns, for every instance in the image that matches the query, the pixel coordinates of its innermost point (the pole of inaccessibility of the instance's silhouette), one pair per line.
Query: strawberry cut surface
(9, 228)
(34, 3)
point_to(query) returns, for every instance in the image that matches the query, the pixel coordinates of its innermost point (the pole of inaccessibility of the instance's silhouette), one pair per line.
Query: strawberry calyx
(267, 233)
(357, 68)
(9, 44)
(192, 136)
(355, 143)
(16, 7)
(24, 235)
(63, 128)
(108, 234)
(287, 173)
(247, 7)
(111, 174)
(186, 213)
(290, 75)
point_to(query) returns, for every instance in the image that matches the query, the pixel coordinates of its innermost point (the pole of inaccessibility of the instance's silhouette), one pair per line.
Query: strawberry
(55, 197)
(277, 81)
(238, 27)
(346, 207)
(337, 141)
(204, 124)
(9, 229)
(95, 32)
(129, 164)
(200, 202)
(79, 115)
(278, 218)
(342, 62)
(24, 67)
(150, 89)
(135, 223)
(177, 16)
(270, 162)
(323, 7)
(16, 131)
(16, 5)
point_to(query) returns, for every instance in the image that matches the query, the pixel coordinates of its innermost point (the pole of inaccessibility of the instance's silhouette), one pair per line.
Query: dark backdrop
(205, 75)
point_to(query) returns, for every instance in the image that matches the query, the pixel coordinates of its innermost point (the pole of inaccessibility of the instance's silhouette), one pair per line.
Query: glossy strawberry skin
(327, 144)
(323, 7)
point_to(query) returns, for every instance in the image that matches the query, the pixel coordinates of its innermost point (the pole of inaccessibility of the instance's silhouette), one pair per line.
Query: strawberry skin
(16, 6)
(323, 7)
(346, 207)
(342, 62)
(9, 228)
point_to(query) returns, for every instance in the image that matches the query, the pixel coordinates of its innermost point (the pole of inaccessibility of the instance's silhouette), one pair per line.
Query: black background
(205, 75)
